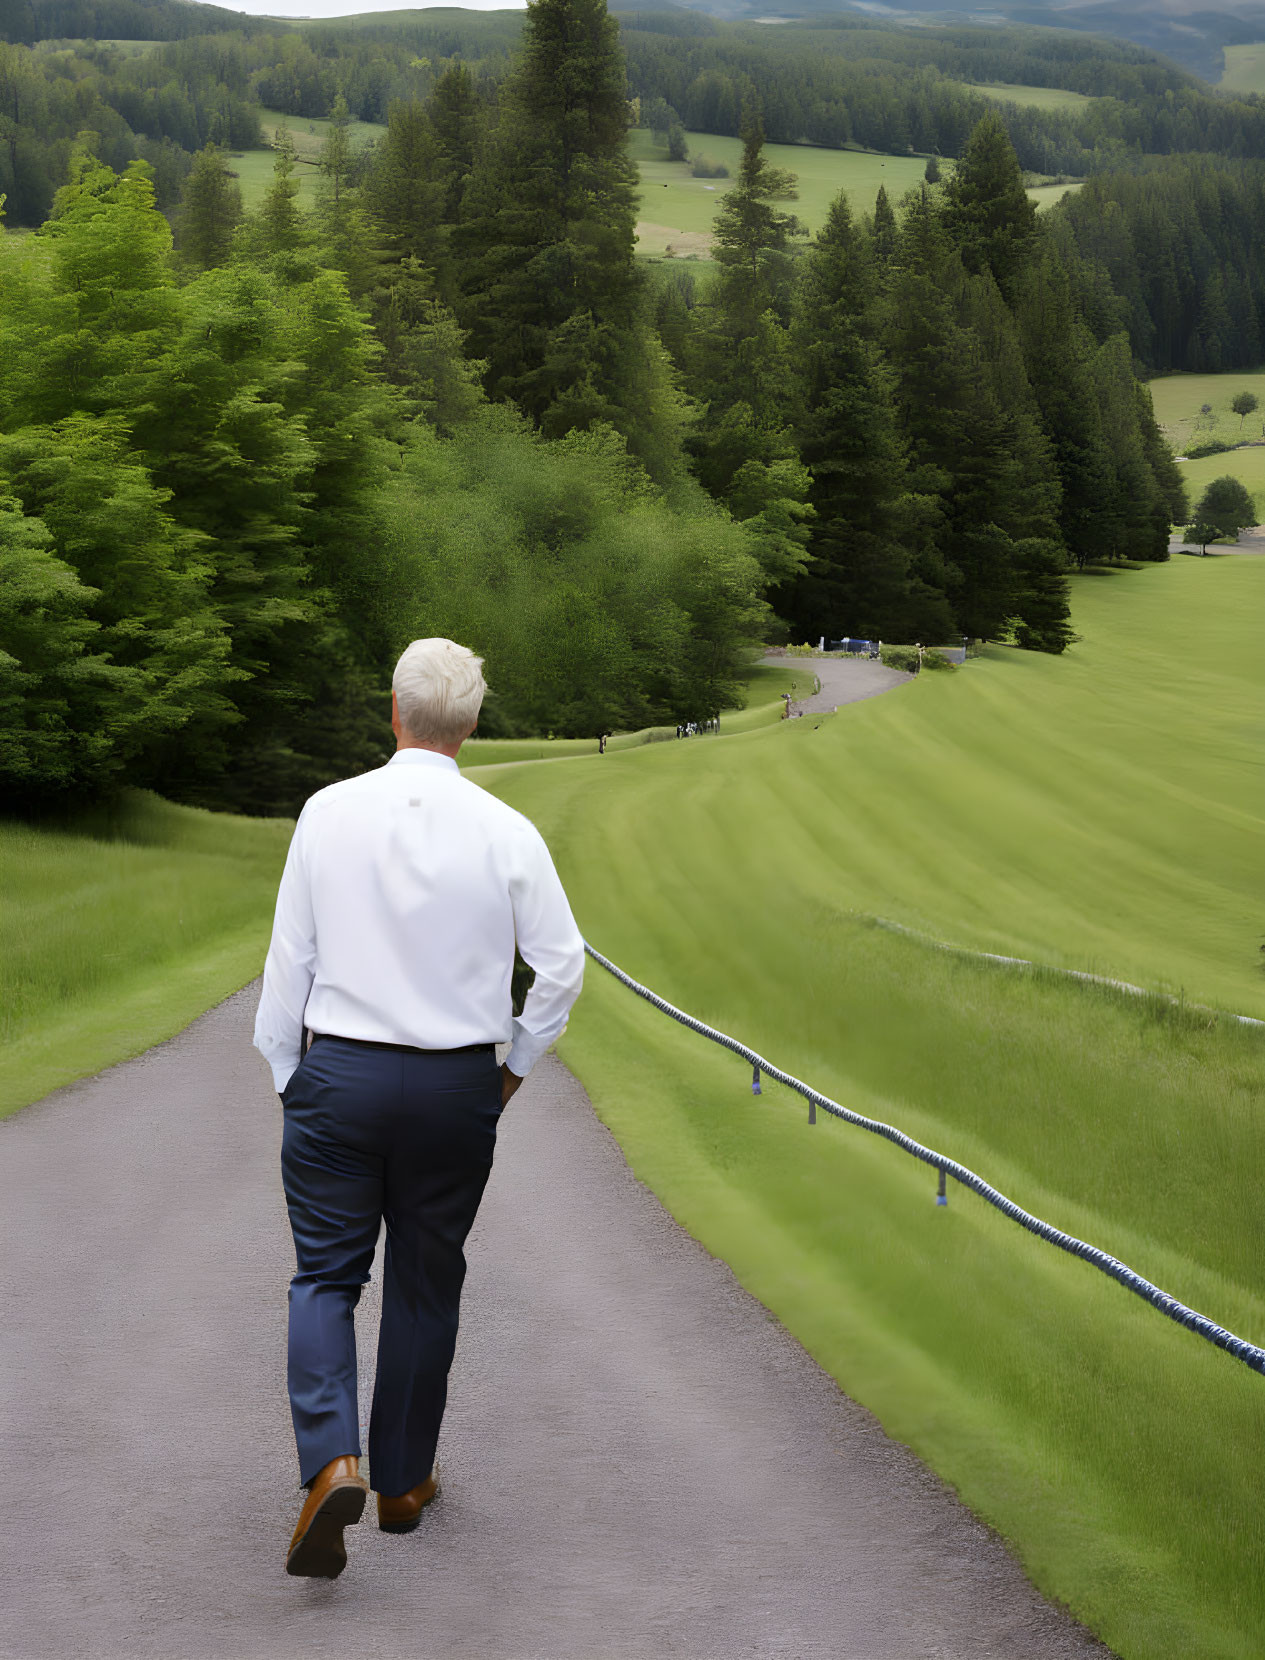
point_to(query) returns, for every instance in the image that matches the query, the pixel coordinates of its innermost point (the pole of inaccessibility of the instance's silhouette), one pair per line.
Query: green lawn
(676, 210)
(1031, 97)
(1179, 401)
(120, 931)
(1046, 195)
(1244, 68)
(309, 132)
(253, 168)
(1099, 811)
(1246, 465)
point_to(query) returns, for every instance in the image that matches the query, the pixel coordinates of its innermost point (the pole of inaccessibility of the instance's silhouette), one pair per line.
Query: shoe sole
(320, 1553)
(413, 1523)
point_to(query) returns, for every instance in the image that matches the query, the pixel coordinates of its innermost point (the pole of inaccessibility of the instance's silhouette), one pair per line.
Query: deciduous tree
(1225, 508)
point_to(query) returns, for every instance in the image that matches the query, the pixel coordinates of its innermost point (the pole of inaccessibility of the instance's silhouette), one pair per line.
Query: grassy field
(309, 132)
(1031, 97)
(677, 210)
(117, 933)
(1099, 811)
(253, 168)
(1244, 68)
(1179, 400)
(1248, 466)
(253, 172)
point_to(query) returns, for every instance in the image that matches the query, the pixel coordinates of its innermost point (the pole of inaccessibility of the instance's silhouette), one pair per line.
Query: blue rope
(1200, 1324)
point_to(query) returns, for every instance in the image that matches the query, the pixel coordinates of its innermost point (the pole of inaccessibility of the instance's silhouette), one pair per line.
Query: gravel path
(639, 1463)
(843, 680)
(1250, 542)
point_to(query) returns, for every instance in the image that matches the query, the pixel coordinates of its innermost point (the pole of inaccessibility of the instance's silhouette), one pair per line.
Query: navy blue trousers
(373, 1134)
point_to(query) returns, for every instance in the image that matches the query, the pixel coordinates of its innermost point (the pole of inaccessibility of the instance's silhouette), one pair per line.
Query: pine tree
(280, 227)
(111, 525)
(210, 212)
(403, 193)
(971, 486)
(987, 211)
(1141, 508)
(335, 160)
(1042, 614)
(455, 120)
(883, 230)
(1167, 473)
(858, 580)
(111, 269)
(751, 239)
(1032, 509)
(744, 448)
(550, 291)
(1058, 351)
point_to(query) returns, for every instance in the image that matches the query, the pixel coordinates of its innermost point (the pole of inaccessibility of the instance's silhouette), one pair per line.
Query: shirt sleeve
(289, 968)
(551, 943)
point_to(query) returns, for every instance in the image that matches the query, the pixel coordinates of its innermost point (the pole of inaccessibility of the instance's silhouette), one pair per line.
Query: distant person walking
(404, 895)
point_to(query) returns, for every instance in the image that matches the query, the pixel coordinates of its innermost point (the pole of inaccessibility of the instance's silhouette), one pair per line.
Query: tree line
(838, 81)
(833, 82)
(930, 406)
(240, 471)
(1175, 249)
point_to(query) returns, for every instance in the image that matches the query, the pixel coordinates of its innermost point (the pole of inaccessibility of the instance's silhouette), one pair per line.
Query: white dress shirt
(404, 894)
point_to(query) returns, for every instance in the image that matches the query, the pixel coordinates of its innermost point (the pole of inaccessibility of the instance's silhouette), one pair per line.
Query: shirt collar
(422, 758)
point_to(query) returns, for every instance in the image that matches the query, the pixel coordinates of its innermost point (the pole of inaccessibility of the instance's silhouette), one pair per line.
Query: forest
(835, 81)
(246, 456)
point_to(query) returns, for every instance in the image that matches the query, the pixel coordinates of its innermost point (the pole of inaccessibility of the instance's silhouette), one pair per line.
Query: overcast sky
(346, 8)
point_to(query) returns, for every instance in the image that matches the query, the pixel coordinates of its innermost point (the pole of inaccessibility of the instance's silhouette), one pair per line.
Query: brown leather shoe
(335, 1500)
(402, 1514)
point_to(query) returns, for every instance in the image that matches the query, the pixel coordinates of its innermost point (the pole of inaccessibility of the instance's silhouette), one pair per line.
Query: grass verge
(121, 929)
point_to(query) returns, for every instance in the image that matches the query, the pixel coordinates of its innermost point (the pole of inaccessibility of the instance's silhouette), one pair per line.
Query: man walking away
(404, 895)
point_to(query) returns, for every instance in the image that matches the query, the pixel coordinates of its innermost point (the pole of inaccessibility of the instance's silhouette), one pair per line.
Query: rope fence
(1193, 1321)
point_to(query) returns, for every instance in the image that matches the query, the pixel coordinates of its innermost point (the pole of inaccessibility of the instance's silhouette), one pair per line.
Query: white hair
(439, 688)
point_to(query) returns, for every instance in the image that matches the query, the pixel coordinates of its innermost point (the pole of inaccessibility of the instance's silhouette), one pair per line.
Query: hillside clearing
(1244, 68)
(1030, 97)
(1179, 401)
